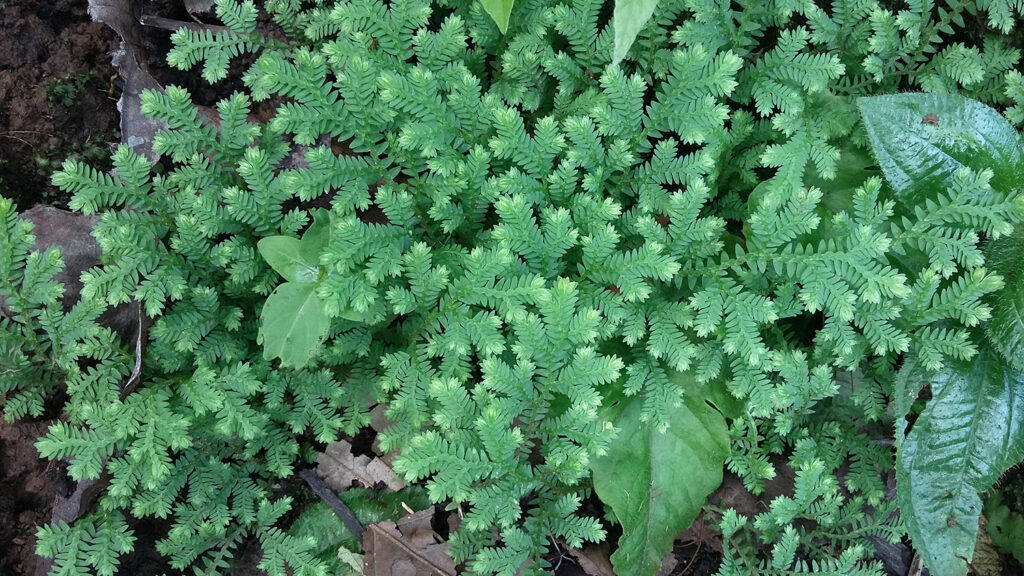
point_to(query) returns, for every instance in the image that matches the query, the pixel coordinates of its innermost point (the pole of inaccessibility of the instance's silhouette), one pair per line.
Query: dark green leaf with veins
(971, 432)
(922, 140)
(1006, 328)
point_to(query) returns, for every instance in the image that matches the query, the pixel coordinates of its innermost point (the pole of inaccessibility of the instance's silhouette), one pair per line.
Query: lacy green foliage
(41, 346)
(211, 427)
(92, 545)
(969, 433)
(520, 232)
(1005, 526)
(817, 512)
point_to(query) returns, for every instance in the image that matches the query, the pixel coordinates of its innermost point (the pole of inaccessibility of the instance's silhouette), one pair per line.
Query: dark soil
(27, 488)
(58, 95)
(57, 100)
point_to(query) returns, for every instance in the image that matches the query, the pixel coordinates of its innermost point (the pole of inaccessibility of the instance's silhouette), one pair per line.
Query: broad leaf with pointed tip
(922, 140)
(1006, 328)
(499, 11)
(628, 20)
(286, 256)
(298, 260)
(657, 482)
(969, 434)
(293, 324)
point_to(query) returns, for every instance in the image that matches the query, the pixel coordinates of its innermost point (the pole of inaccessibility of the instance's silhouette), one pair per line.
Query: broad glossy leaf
(910, 379)
(715, 392)
(286, 256)
(499, 11)
(628, 20)
(922, 140)
(657, 482)
(293, 324)
(1006, 328)
(298, 260)
(971, 432)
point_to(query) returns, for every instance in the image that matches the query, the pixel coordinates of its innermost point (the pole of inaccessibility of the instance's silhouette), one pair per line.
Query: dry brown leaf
(593, 559)
(339, 467)
(378, 419)
(194, 7)
(668, 565)
(408, 548)
(986, 561)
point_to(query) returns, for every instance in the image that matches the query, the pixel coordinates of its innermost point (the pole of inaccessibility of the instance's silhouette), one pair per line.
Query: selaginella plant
(564, 277)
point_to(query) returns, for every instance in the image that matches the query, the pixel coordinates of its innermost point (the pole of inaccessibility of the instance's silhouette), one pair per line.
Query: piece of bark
(70, 232)
(172, 24)
(137, 130)
(331, 499)
(122, 16)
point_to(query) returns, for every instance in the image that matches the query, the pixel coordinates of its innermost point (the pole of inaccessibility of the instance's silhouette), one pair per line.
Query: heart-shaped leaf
(285, 255)
(298, 260)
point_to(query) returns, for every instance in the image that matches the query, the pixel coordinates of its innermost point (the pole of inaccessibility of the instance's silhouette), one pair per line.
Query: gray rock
(71, 233)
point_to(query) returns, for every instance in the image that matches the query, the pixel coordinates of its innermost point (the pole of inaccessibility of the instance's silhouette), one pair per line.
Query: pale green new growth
(521, 234)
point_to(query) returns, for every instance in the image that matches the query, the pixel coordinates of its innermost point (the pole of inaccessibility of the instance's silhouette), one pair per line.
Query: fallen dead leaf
(593, 559)
(339, 467)
(406, 548)
(194, 7)
(668, 565)
(986, 561)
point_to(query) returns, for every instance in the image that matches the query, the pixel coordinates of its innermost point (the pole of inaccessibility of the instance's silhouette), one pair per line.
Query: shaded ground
(57, 95)
(56, 100)
(27, 489)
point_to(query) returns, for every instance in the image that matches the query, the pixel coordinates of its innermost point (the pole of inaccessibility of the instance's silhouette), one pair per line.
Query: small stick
(172, 25)
(331, 499)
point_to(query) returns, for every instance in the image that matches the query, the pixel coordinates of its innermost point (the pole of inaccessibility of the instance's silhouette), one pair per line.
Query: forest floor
(58, 99)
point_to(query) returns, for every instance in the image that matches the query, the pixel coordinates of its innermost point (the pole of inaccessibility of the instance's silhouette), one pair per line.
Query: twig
(140, 344)
(22, 140)
(172, 25)
(693, 558)
(332, 500)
